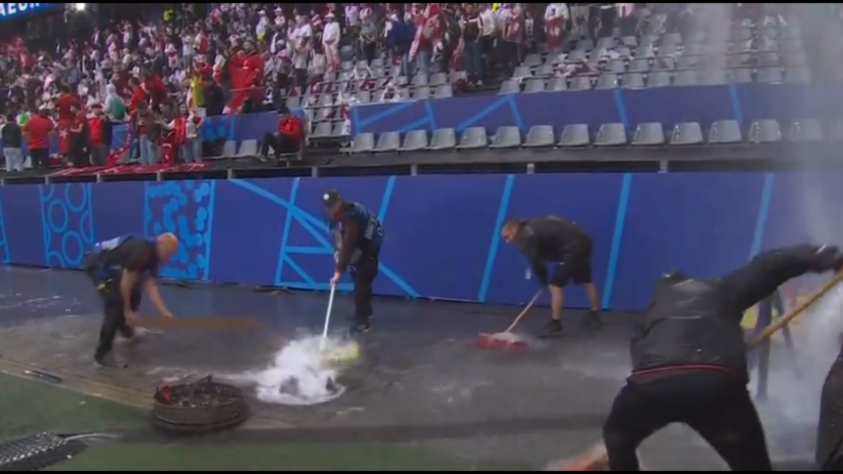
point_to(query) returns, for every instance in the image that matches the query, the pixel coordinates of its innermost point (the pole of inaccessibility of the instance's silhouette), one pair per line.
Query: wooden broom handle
(523, 312)
(781, 322)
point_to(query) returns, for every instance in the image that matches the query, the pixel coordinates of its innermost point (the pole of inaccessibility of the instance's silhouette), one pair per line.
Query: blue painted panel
(700, 223)
(24, 225)
(111, 219)
(668, 105)
(804, 208)
(238, 207)
(591, 200)
(442, 232)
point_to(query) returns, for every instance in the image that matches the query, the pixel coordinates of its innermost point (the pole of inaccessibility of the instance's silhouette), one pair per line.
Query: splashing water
(298, 375)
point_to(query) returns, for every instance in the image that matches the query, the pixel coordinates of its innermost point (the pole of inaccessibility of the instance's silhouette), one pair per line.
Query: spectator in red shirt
(64, 104)
(37, 132)
(98, 127)
(289, 138)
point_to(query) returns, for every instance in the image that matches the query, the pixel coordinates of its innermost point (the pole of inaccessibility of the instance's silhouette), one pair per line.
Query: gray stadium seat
(617, 66)
(535, 85)
(611, 134)
(421, 93)
(667, 49)
(415, 140)
(741, 75)
(577, 55)
(605, 42)
(532, 60)
(633, 81)
(639, 65)
(575, 135)
(522, 71)
(712, 77)
(607, 80)
(506, 137)
(581, 83)
(388, 142)
(658, 79)
(685, 78)
(437, 79)
(339, 130)
(724, 132)
(807, 130)
(540, 136)
(644, 51)
(798, 75)
(443, 139)
(558, 84)
(770, 74)
(765, 131)
(322, 130)
(545, 70)
(648, 134)
(363, 97)
(687, 133)
(363, 143)
(473, 138)
(672, 38)
(419, 80)
(585, 45)
(444, 91)
(510, 86)
(794, 60)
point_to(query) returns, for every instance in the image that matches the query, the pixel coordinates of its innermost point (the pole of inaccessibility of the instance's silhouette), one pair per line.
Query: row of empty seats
(657, 79)
(609, 134)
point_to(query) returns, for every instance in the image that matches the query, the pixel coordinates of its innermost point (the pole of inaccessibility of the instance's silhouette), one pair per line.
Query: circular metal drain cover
(198, 407)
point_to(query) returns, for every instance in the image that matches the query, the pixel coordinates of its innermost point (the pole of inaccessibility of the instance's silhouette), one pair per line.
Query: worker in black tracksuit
(121, 268)
(689, 361)
(554, 239)
(358, 237)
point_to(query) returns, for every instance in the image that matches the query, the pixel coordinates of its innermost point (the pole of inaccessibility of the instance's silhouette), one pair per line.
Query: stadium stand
(344, 82)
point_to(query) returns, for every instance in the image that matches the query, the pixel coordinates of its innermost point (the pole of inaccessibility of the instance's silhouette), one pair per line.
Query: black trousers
(363, 274)
(39, 158)
(717, 406)
(114, 318)
(279, 143)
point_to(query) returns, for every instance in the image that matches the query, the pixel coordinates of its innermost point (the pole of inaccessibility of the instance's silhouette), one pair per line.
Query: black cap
(330, 198)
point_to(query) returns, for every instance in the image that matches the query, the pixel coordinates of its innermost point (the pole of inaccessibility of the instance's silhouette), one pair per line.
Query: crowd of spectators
(162, 71)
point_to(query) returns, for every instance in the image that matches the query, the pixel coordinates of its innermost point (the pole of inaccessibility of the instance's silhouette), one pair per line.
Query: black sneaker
(110, 361)
(362, 326)
(552, 329)
(592, 320)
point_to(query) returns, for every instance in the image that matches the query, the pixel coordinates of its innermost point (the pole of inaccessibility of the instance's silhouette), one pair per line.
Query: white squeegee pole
(327, 318)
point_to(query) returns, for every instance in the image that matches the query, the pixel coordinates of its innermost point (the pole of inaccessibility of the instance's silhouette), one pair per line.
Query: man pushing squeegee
(554, 239)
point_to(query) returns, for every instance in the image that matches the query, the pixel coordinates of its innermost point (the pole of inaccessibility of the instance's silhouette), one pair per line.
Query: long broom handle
(781, 322)
(327, 318)
(523, 312)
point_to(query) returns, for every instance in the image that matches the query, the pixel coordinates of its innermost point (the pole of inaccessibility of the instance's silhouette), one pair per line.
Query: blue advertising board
(442, 232)
(11, 11)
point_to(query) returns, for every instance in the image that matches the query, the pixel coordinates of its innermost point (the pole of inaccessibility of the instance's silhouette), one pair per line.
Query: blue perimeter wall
(668, 105)
(442, 231)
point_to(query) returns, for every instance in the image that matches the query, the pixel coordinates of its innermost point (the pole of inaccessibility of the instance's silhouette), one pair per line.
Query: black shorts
(576, 268)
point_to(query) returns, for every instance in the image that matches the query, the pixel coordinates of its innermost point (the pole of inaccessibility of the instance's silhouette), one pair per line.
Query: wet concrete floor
(420, 379)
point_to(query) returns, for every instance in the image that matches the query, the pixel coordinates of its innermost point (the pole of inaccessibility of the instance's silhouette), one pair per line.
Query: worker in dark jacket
(358, 236)
(553, 239)
(689, 360)
(121, 268)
